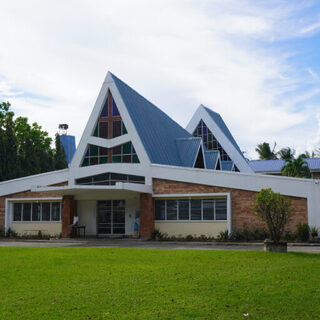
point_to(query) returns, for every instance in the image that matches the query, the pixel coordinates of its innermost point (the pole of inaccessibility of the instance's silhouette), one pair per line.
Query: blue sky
(255, 62)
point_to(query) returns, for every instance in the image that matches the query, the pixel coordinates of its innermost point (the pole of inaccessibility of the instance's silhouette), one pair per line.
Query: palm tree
(296, 168)
(307, 154)
(265, 152)
(286, 153)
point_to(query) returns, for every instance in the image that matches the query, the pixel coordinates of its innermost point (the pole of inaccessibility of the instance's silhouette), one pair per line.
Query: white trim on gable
(237, 158)
(88, 138)
(218, 161)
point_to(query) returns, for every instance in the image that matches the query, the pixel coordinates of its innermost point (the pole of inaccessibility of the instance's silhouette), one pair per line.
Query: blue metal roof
(211, 158)
(188, 150)
(313, 163)
(223, 127)
(276, 165)
(157, 131)
(227, 165)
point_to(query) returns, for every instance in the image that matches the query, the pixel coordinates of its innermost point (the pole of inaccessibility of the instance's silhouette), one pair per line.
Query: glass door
(111, 217)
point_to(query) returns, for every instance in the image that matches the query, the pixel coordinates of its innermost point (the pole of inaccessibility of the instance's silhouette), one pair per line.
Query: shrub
(235, 235)
(314, 232)
(223, 235)
(156, 234)
(2, 232)
(189, 237)
(11, 233)
(289, 235)
(273, 209)
(247, 234)
(303, 232)
(203, 237)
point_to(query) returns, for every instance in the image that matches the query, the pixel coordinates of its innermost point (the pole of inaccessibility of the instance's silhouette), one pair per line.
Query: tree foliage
(24, 149)
(286, 153)
(296, 168)
(60, 161)
(265, 152)
(273, 209)
(308, 155)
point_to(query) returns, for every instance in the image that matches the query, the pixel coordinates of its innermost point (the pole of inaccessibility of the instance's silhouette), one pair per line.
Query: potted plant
(275, 211)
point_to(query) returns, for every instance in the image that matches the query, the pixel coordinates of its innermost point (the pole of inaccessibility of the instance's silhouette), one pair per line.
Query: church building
(134, 165)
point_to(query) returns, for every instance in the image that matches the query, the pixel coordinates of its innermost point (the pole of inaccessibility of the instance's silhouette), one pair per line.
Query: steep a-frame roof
(216, 125)
(188, 149)
(211, 158)
(221, 124)
(157, 131)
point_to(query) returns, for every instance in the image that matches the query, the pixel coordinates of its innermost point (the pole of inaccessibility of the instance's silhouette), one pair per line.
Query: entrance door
(111, 217)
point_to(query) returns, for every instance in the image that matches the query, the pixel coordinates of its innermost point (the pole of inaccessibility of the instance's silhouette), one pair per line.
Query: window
(221, 209)
(45, 211)
(191, 209)
(116, 128)
(110, 178)
(55, 211)
(37, 211)
(183, 209)
(171, 209)
(124, 153)
(160, 210)
(109, 119)
(208, 209)
(26, 212)
(209, 140)
(195, 209)
(17, 210)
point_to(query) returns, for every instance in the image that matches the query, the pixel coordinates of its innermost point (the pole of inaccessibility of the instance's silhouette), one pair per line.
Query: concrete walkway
(141, 244)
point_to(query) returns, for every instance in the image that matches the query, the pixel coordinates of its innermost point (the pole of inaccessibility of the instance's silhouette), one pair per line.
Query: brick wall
(68, 212)
(146, 215)
(241, 202)
(24, 194)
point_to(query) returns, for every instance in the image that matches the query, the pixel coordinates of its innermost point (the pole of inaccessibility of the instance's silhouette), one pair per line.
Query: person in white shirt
(75, 220)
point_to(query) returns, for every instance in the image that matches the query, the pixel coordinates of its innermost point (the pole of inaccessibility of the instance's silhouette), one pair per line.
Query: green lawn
(100, 283)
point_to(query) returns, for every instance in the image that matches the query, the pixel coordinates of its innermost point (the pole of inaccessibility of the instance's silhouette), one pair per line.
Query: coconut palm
(308, 154)
(296, 168)
(265, 152)
(286, 153)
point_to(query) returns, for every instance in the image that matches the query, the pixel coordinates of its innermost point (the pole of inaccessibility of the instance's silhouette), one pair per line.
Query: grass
(103, 283)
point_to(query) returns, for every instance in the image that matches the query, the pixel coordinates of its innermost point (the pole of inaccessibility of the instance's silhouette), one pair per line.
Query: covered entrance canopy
(78, 190)
(103, 209)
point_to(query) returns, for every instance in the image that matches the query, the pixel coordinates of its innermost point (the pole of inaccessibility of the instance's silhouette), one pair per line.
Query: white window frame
(9, 210)
(201, 196)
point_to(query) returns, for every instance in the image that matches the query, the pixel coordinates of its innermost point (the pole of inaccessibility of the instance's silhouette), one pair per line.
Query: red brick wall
(146, 215)
(24, 194)
(241, 202)
(68, 212)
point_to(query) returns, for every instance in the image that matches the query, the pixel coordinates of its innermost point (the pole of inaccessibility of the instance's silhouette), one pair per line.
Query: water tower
(68, 142)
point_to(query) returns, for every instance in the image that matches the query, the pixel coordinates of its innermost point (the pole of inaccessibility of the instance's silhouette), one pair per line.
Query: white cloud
(177, 53)
(311, 28)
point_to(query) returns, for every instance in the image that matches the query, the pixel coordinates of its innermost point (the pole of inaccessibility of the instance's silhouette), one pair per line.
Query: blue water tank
(69, 144)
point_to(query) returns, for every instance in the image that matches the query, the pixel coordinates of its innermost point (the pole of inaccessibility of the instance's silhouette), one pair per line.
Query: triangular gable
(157, 131)
(200, 163)
(188, 149)
(103, 151)
(227, 165)
(226, 142)
(212, 159)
